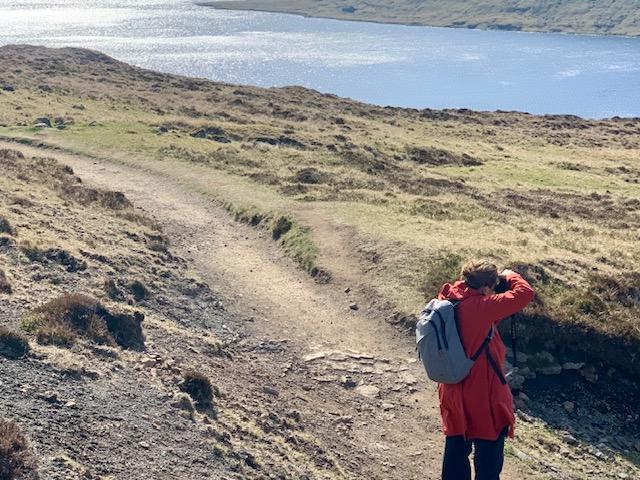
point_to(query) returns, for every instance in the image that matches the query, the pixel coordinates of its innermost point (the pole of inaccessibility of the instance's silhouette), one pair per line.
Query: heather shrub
(13, 345)
(16, 457)
(5, 286)
(199, 388)
(60, 321)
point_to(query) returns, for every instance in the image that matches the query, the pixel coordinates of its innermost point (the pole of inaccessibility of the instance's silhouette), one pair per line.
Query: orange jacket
(480, 406)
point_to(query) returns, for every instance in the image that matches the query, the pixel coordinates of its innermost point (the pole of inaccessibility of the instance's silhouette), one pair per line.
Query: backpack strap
(485, 348)
(485, 343)
(496, 367)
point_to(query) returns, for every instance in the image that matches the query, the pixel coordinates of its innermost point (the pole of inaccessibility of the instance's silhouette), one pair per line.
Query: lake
(396, 65)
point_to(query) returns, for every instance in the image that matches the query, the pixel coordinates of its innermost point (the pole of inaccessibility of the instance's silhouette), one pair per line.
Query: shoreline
(238, 8)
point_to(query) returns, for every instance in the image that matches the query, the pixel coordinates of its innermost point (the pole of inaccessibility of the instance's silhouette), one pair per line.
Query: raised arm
(501, 305)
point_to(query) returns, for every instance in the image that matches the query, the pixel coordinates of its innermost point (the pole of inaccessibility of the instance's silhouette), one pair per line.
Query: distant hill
(610, 17)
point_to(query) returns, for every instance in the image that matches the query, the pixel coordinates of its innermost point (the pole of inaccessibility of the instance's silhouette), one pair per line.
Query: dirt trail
(399, 427)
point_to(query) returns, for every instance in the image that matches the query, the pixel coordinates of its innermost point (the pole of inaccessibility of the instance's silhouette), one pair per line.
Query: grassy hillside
(113, 349)
(394, 199)
(612, 17)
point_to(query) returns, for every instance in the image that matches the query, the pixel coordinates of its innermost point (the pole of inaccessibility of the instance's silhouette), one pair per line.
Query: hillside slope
(610, 17)
(387, 202)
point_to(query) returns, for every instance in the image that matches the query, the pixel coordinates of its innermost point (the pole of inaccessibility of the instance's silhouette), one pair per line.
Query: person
(478, 412)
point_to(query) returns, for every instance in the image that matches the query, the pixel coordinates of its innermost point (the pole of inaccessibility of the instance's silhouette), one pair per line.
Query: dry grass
(59, 321)
(16, 458)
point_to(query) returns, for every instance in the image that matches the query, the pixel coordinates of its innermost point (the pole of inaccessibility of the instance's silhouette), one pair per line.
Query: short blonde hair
(480, 273)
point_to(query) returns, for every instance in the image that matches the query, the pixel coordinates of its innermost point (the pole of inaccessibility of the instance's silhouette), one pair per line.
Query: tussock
(5, 226)
(62, 320)
(5, 286)
(13, 345)
(199, 388)
(17, 461)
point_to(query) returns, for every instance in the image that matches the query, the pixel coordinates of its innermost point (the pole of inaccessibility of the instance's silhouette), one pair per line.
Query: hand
(507, 272)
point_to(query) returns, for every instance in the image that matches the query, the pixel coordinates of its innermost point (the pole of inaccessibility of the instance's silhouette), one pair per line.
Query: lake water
(382, 64)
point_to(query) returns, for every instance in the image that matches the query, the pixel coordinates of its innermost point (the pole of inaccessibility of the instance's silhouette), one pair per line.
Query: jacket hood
(457, 291)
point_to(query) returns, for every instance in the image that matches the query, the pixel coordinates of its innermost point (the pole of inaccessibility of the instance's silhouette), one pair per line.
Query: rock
(314, 356)
(589, 374)
(271, 391)
(79, 106)
(9, 88)
(349, 9)
(569, 407)
(524, 397)
(541, 360)
(516, 381)
(519, 404)
(347, 290)
(551, 370)
(50, 396)
(521, 455)
(407, 378)
(71, 404)
(148, 362)
(348, 382)
(44, 120)
(144, 445)
(182, 401)
(569, 439)
(388, 406)
(353, 306)
(572, 366)
(368, 391)
(41, 125)
(93, 124)
(527, 373)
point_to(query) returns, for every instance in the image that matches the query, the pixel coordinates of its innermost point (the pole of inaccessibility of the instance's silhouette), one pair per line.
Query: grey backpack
(440, 347)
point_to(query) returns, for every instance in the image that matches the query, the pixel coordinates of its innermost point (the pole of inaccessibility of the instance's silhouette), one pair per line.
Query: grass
(419, 190)
(294, 239)
(61, 320)
(16, 457)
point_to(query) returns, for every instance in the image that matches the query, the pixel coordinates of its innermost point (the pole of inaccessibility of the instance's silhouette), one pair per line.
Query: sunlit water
(383, 64)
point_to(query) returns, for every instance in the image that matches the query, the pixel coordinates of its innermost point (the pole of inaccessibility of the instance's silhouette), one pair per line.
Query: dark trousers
(488, 458)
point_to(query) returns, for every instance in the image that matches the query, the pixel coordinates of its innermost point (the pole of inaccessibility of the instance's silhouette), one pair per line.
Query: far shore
(273, 7)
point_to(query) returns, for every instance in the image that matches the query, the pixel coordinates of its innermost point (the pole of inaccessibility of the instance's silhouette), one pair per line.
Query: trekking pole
(513, 341)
